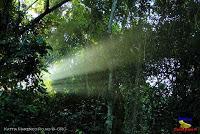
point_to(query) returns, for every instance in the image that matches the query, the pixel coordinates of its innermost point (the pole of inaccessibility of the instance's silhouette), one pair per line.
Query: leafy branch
(42, 15)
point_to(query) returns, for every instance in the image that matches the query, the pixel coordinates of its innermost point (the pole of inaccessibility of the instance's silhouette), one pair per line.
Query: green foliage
(175, 57)
(81, 114)
(23, 53)
(20, 54)
(162, 36)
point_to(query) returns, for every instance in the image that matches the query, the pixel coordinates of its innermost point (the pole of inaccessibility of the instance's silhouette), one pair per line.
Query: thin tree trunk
(114, 5)
(109, 96)
(137, 85)
(109, 121)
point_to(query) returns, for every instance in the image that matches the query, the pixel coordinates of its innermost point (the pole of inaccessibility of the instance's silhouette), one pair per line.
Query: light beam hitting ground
(94, 59)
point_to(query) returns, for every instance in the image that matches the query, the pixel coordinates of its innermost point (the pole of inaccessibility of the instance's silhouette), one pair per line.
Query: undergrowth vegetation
(69, 111)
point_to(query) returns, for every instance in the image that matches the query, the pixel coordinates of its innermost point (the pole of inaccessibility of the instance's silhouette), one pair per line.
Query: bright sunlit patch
(33, 14)
(21, 1)
(48, 82)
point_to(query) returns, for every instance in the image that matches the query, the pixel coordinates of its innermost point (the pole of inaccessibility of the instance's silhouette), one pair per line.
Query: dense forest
(100, 66)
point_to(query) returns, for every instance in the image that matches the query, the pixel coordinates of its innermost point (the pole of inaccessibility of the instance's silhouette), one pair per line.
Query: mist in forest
(93, 59)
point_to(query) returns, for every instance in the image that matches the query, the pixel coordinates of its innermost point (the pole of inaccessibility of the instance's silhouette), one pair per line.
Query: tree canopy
(128, 66)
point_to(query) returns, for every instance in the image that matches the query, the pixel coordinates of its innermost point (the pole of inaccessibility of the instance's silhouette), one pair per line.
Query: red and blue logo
(185, 125)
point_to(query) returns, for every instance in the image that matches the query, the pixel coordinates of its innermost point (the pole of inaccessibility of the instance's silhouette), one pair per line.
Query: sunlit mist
(93, 59)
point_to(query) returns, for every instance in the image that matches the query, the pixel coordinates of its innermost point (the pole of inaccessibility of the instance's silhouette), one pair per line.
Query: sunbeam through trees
(100, 66)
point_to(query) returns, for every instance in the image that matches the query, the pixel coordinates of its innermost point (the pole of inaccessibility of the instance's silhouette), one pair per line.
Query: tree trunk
(114, 5)
(137, 86)
(118, 111)
(109, 96)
